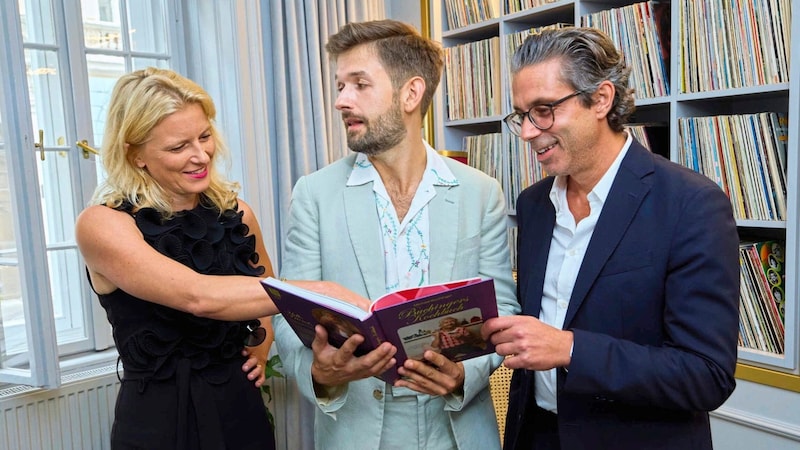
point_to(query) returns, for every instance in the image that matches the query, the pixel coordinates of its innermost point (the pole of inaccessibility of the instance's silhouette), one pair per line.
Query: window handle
(87, 149)
(40, 144)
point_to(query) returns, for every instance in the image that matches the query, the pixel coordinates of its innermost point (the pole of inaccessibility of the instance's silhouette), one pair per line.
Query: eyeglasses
(255, 333)
(541, 116)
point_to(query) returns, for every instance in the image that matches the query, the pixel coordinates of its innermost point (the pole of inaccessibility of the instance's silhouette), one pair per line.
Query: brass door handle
(87, 149)
(40, 144)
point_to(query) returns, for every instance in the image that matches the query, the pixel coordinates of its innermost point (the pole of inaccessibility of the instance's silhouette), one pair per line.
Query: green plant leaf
(271, 370)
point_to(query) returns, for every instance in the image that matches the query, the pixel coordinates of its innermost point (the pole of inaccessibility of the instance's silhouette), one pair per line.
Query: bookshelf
(765, 82)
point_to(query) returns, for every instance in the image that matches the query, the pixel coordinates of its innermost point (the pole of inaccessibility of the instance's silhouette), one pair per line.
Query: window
(105, 11)
(60, 62)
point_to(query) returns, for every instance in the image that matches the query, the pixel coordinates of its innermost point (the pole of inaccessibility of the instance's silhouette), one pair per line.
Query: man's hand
(436, 375)
(335, 366)
(528, 343)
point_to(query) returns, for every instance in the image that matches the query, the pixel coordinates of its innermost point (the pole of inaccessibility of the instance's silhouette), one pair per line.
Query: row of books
(733, 44)
(471, 69)
(762, 302)
(484, 153)
(641, 32)
(512, 245)
(725, 44)
(512, 164)
(634, 29)
(470, 75)
(512, 41)
(641, 132)
(512, 6)
(745, 154)
(461, 13)
(524, 169)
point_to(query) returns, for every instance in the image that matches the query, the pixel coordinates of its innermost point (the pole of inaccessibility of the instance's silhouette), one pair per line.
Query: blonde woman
(175, 259)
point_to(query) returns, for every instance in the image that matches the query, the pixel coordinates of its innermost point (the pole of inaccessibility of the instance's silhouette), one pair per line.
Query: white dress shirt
(567, 249)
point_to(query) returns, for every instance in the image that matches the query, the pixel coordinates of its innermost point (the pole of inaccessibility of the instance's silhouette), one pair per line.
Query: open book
(445, 318)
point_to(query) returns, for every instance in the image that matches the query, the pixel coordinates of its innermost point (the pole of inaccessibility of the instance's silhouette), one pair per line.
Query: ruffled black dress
(182, 384)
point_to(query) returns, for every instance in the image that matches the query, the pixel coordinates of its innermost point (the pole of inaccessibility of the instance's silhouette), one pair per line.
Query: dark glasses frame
(515, 120)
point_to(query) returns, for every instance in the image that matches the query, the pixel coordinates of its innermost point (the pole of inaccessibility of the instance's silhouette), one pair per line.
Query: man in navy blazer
(628, 268)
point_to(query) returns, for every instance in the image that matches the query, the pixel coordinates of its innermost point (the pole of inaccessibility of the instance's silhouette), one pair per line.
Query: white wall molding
(758, 422)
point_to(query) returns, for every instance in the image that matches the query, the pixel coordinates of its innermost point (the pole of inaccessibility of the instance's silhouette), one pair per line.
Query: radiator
(77, 416)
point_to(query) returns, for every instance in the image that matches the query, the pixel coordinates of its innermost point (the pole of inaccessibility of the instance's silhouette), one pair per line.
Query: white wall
(757, 416)
(404, 10)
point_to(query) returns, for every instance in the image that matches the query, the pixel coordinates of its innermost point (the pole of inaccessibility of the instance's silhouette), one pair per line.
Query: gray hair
(588, 57)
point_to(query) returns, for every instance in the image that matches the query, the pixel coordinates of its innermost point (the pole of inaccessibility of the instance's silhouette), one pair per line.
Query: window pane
(47, 101)
(36, 18)
(148, 29)
(66, 276)
(103, 74)
(101, 24)
(58, 207)
(57, 194)
(142, 63)
(13, 339)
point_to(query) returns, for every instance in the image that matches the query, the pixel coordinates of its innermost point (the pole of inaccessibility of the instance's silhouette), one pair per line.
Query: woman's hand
(255, 366)
(334, 290)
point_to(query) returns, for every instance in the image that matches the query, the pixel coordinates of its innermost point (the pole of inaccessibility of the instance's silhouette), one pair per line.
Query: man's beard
(381, 133)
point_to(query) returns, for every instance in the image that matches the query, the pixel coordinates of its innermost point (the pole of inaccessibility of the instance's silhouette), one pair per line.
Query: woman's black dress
(182, 384)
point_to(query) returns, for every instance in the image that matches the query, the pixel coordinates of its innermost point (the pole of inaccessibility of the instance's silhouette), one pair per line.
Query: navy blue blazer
(654, 311)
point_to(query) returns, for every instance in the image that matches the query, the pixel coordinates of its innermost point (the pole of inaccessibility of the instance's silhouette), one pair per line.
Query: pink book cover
(444, 318)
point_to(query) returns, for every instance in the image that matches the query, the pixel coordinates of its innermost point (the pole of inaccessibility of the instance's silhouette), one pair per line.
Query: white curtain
(307, 131)
(307, 134)
(265, 65)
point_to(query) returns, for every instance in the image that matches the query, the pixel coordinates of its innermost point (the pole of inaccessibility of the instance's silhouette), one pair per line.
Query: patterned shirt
(406, 244)
(410, 419)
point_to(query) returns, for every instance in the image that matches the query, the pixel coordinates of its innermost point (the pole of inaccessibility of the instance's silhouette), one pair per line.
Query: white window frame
(47, 360)
(28, 224)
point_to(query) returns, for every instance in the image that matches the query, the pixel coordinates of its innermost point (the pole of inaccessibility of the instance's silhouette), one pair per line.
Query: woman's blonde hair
(140, 101)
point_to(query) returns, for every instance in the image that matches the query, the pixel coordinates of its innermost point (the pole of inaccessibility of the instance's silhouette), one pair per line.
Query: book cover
(771, 253)
(762, 302)
(445, 318)
(767, 329)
